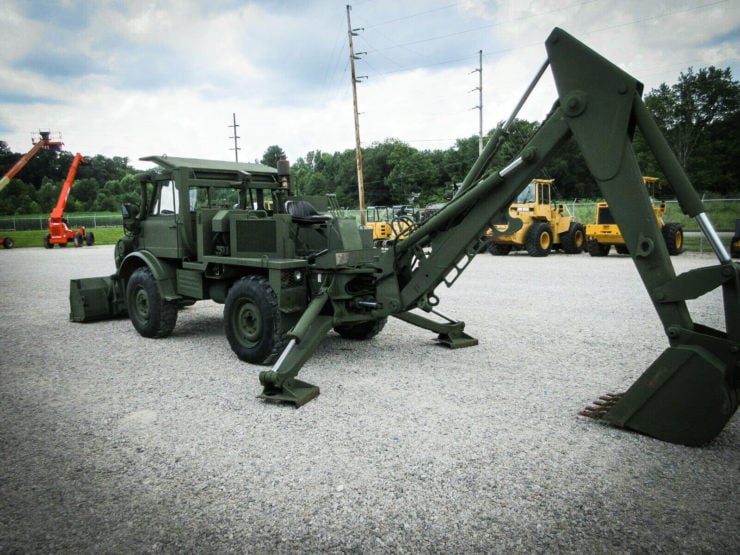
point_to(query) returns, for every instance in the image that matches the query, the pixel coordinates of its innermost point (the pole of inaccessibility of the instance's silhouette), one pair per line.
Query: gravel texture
(110, 442)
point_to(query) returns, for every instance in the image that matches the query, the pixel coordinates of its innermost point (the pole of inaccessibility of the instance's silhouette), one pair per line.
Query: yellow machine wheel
(539, 239)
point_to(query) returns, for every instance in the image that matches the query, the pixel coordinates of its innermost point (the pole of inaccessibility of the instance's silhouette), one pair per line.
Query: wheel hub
(248, 323)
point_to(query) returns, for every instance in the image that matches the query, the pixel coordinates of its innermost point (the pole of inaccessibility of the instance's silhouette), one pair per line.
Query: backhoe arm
(690, 392)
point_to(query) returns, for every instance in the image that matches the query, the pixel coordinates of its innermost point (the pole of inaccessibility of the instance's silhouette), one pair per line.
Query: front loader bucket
(686, 396)
(97, 298)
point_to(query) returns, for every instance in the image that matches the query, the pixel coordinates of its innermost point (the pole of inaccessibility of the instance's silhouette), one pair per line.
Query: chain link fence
(36, 223)
(721, 212)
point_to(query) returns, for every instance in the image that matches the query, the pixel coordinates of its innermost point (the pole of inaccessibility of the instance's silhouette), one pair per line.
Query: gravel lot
(110, 442)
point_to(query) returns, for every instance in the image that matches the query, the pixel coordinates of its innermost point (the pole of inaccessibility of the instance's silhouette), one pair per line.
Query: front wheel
(47, 241)
(539, 239)
(151, 315)
(89, 238)
(497, 249)
(8, 243)
(252, 321)
(598, 249)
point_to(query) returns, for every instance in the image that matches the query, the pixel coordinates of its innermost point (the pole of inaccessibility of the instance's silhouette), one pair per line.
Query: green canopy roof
(172, 162)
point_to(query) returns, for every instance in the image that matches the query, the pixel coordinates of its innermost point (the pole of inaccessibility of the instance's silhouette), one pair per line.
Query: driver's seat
(303, 213)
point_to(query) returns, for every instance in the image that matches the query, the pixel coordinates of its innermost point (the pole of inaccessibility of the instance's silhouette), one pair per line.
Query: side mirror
(130, 220)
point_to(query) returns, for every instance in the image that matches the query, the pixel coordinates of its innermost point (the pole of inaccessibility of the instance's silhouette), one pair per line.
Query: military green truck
(288, 273)
(230, 232)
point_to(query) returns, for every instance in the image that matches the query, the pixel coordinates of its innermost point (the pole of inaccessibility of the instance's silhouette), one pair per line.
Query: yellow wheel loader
(535, 224)
(601, 235)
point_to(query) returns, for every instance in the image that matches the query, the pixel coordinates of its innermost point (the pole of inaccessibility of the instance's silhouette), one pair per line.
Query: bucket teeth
(598, 408)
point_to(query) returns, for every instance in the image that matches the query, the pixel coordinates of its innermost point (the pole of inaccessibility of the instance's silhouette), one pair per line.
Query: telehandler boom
(59, 232)
(44, 142)
(339, 281)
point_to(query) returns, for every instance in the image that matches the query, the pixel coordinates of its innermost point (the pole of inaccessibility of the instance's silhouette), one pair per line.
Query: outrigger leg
(280, 383)
(450, 333)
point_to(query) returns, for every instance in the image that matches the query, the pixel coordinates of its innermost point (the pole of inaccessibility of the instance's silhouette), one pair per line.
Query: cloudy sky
(134, 78)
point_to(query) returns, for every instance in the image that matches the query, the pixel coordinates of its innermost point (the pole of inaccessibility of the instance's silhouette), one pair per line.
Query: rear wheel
(47, 241)
(78, 239)
(361, 331)
(539, 239)
(252, 321)
(8, 243)
(89, 238)
(673, 236)
(151, 315)
(573, 240)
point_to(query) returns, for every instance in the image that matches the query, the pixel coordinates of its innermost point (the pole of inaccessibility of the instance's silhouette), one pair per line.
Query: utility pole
(360, 180)
(479, 107)
(235, 137)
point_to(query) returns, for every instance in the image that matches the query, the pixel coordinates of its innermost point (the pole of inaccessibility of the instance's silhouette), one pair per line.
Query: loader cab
(535, 199)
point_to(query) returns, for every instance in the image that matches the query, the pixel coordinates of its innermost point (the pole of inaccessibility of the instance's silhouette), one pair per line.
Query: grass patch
(26, 239)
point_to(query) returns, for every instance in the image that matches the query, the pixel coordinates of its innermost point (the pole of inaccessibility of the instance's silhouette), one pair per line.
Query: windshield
(527, 195)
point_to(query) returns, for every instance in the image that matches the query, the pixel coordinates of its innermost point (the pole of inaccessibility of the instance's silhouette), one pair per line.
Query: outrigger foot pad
(457, 340)
(292, 391)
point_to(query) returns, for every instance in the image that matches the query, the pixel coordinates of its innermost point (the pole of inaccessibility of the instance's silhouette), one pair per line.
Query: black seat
(303, 212)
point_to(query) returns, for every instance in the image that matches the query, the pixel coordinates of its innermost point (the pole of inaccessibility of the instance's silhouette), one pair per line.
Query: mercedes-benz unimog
(287, 275)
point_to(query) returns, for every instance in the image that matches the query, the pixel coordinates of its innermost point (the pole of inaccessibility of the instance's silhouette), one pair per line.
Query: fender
(164, 273)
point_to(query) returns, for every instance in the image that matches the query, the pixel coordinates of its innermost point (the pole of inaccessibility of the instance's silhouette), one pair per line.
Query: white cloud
(142, 77)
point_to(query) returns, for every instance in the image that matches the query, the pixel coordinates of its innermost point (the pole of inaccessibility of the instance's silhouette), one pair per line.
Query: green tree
(272, 155)
(18, 198)
(413, 175)
(691, 112)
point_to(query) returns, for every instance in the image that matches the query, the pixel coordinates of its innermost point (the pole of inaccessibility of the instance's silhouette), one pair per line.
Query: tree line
(699, 116)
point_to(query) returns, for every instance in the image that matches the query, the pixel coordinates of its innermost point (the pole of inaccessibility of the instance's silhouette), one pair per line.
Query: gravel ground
(110, 442)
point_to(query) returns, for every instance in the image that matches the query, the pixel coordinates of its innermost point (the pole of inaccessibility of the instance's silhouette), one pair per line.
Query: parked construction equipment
(379, 218)
(535, 224)
(390, 223)
(604, 234)
(59, 231)
(290, 275)
(44, 142)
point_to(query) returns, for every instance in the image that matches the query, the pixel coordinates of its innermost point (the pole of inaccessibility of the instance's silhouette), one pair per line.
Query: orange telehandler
(59, 232)
(44, 142)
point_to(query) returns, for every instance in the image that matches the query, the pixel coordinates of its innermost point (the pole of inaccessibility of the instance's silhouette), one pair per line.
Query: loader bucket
(97, 298)
(686, 396)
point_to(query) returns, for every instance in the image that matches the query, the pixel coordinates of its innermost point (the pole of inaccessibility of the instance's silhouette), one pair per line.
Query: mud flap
(97, 298)
(686, 396)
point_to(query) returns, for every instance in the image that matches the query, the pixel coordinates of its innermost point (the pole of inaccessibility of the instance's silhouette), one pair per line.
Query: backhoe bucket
(97, 298)
(686, 396)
